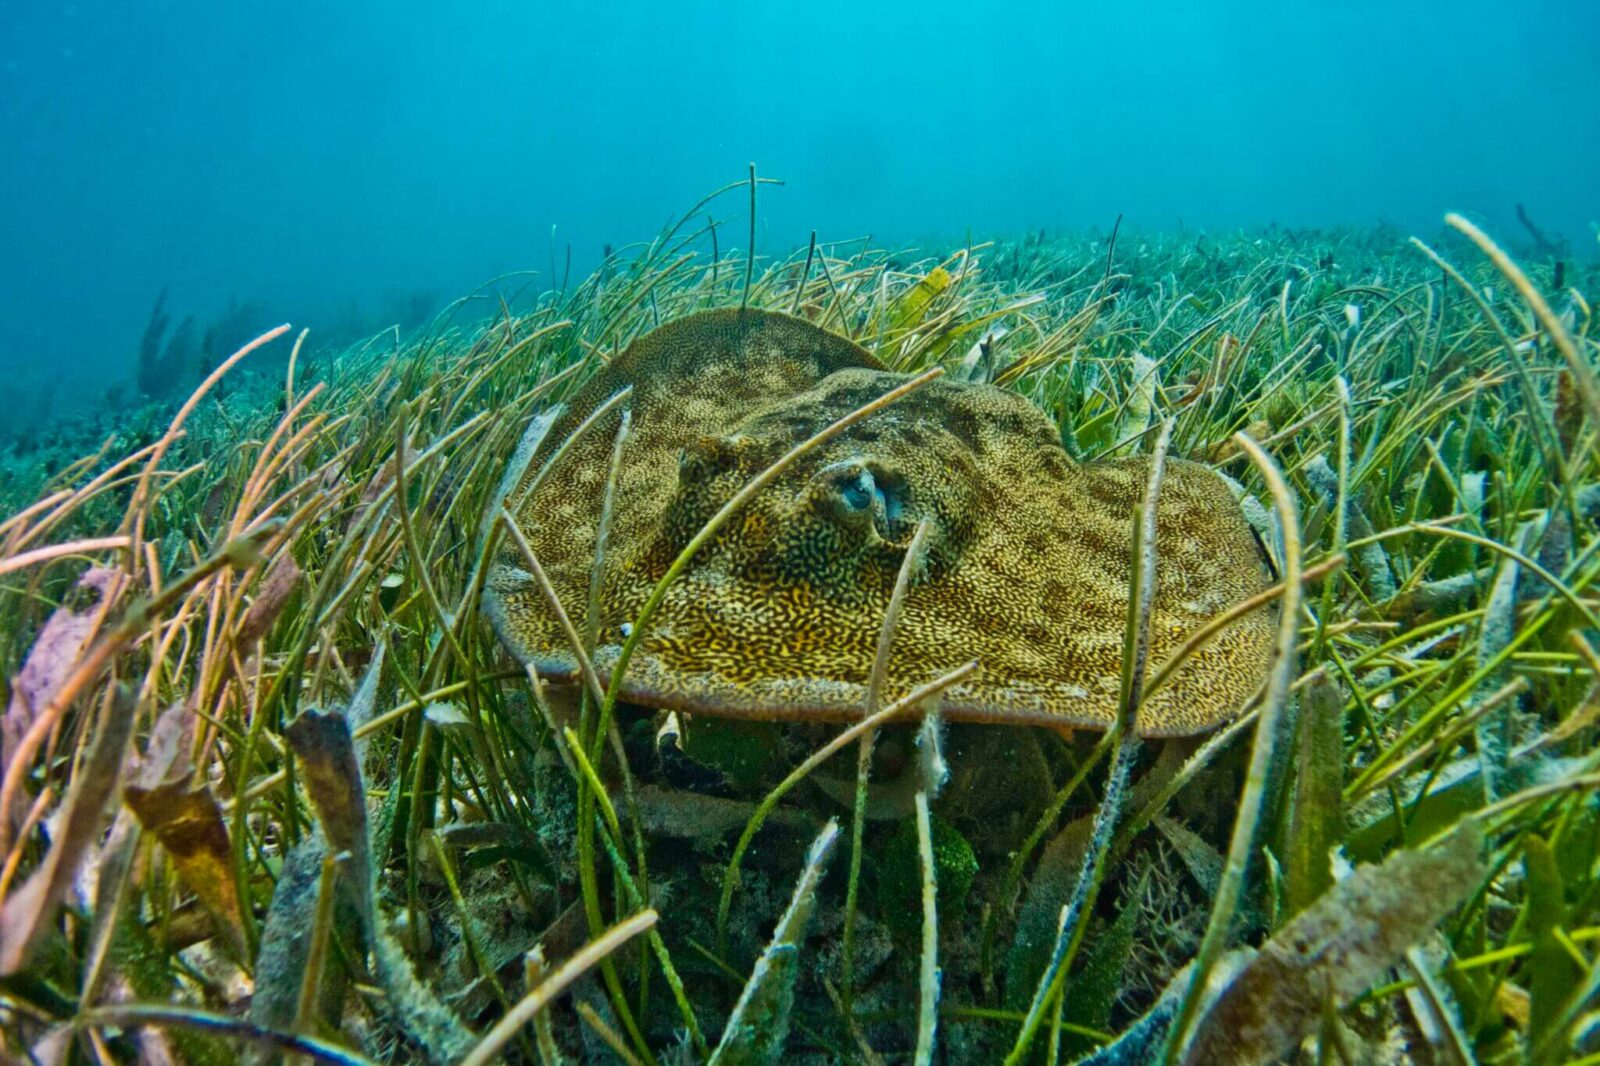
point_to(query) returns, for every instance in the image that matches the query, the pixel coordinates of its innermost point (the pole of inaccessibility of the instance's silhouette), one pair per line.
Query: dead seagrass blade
(1026, 567)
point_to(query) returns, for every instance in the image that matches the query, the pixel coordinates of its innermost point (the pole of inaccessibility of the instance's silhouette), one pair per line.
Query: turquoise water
(348, 165)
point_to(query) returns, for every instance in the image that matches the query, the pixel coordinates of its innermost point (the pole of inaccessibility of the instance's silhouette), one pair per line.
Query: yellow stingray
(1026, 566)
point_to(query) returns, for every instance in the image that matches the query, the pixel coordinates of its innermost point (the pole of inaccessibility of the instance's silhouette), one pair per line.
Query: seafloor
(272, 787)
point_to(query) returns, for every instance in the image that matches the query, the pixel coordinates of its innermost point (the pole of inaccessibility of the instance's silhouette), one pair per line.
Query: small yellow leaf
(913, 303)
(1514, 1004)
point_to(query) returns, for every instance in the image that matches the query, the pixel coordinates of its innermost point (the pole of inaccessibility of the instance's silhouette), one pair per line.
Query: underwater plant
(273, 787)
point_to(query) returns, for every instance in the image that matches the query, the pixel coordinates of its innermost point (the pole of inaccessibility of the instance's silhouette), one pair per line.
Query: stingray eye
(864, 495)
(858, 494)
(847, 493)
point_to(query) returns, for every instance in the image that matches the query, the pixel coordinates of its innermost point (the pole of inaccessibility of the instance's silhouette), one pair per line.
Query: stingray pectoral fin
(1206, 562)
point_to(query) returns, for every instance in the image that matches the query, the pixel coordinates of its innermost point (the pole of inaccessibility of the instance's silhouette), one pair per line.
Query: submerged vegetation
(272, 788)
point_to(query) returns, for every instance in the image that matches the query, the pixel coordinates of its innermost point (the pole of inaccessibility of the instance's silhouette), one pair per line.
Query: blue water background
(336, 163)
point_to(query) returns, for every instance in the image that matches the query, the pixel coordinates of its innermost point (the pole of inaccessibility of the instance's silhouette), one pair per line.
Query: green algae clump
(955, 865)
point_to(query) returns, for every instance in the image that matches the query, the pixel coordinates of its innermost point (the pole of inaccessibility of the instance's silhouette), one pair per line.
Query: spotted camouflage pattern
(1026, 568)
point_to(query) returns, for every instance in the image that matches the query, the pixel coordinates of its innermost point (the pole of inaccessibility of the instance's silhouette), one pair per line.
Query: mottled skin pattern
(1026, 569)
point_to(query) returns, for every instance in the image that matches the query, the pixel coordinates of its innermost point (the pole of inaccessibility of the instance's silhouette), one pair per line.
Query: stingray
(1026, 562)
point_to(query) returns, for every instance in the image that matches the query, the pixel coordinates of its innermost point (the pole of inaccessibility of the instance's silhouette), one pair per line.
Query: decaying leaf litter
(272, 788)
